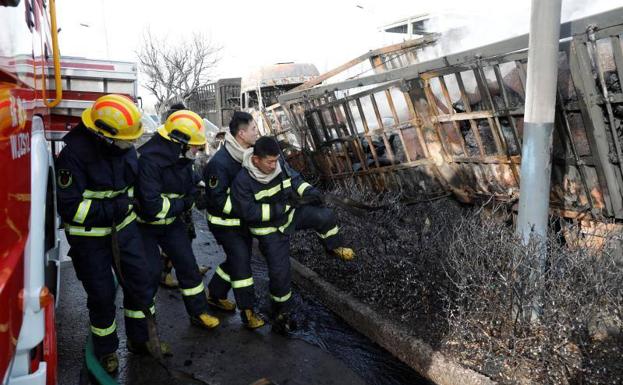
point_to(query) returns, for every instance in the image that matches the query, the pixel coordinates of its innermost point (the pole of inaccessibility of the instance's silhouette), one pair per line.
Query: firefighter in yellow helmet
(167, 279)
(96, 173)
(166, 188)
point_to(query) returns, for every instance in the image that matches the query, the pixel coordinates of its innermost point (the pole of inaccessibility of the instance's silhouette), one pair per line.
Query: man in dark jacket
(166, 188)
(225, 224)
(96, 171)
(267, 194)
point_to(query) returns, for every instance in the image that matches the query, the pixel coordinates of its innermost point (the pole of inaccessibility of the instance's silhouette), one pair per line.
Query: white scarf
(255, 172)
(233, 147)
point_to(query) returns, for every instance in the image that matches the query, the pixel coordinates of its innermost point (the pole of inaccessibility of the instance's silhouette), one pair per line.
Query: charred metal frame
(217, 101)
(459, 121)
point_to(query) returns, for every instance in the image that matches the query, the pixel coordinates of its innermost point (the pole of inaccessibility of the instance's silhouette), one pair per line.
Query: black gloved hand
(294, 201)
(189, 201)
(201, 200)
(121, 207)
(314, 199)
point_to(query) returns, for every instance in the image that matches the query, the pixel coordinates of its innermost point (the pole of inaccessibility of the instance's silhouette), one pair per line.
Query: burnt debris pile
(458, 278)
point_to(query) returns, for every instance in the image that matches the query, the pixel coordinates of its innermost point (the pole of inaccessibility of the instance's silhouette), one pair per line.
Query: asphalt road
(324, 351)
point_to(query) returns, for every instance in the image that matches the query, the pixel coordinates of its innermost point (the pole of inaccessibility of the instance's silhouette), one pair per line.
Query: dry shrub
(496, 284)
(460, 279)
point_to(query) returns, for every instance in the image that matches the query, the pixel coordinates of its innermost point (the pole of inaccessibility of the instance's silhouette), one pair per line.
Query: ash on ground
(459, 279)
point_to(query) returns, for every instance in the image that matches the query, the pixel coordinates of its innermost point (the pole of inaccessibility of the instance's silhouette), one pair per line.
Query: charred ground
(457, 277)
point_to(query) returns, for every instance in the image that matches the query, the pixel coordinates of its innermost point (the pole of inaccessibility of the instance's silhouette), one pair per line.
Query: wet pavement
(323, 351)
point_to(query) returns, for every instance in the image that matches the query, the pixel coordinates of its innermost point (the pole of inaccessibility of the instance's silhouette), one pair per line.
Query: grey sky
(254, 33)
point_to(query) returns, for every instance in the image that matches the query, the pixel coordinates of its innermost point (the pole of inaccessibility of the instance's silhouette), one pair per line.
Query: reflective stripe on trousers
(138, 314)
(223, 274)
(193, 290)
(103, 332)
(239, 284)
(329, 233)
(281, 299)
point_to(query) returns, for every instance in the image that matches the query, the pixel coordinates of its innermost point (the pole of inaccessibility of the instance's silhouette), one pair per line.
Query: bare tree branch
(175, 71)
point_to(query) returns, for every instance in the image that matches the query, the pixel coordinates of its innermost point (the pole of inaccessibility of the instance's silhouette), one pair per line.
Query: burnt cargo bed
(325, 350)
(410, 256)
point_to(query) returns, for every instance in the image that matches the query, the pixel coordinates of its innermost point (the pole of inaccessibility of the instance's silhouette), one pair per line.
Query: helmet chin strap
(179, 137)
(104, 138)
(185, 149)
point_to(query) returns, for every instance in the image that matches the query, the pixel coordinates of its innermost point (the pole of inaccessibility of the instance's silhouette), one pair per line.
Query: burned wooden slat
(351, 63)
(377, 113)
(617, 52)
(509, 116)
(366, 133)
(356, 140)
(481, 81)
(341, 131)
(417, 123)
(564, 122)
(392, 107)
(432, 112)
(455, 124)
(328, 137)
(582, 74)
(468, 109)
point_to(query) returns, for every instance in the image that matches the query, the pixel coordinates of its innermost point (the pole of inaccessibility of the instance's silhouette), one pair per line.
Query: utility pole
(536, 157)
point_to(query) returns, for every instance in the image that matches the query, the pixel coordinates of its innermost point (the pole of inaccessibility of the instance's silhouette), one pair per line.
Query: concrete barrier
(390, 335)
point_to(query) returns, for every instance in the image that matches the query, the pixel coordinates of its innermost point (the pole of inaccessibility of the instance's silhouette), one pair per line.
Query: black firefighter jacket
(166, 185)
(265, 208)
(95, 184)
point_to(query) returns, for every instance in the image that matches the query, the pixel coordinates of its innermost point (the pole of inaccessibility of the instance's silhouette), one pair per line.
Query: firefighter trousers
(93, 261)
(235, 272)
(276, 249)
(174, 241)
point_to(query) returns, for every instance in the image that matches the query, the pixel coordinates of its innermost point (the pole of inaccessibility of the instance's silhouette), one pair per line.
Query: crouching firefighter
(225, 224)
(266, 193)
(96, 171)
(166, 188)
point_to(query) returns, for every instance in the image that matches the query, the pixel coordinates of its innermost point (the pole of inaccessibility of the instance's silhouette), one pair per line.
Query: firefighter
(165, 189)
(225, 225)
(267, 194)
(167, 279)
(96, 171)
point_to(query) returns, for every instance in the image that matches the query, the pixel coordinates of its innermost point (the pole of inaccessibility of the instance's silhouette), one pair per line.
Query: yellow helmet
(184, 127)
(114, 116)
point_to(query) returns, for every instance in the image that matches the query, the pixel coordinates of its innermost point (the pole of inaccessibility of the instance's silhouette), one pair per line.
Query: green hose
(94, 367)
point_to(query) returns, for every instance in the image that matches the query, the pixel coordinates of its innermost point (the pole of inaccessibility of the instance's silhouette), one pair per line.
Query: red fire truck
(41, 96)
(28, 220)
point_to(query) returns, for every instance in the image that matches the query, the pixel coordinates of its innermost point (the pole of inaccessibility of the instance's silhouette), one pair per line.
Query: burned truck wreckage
(454, 123)
(412, 134)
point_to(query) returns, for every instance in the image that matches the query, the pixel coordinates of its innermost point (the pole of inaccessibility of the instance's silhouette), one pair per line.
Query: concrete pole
(536, 161)
(536, 157)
